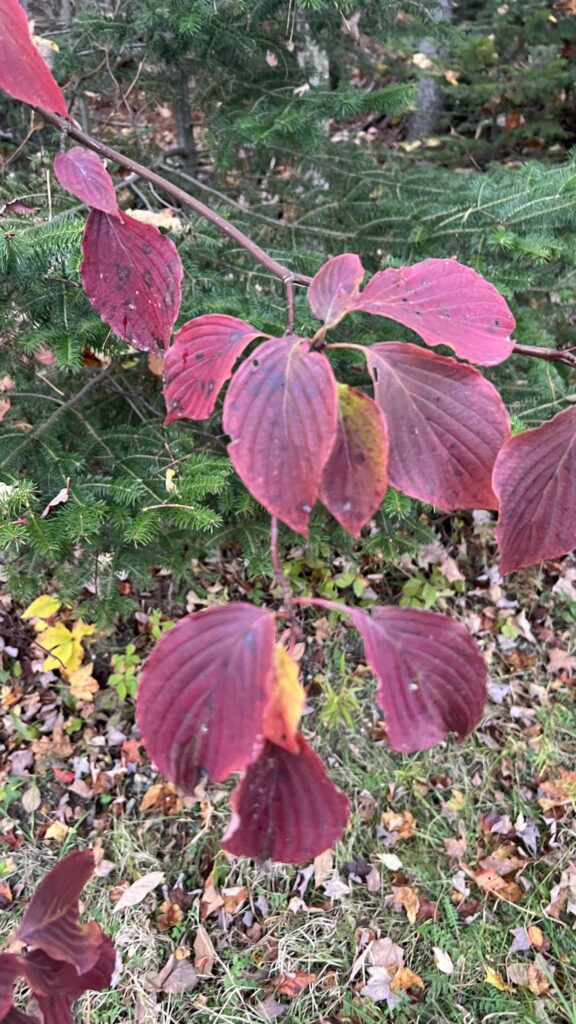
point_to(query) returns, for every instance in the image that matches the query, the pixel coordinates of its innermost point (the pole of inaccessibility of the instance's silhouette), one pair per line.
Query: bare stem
(284, 274)
(281, 577)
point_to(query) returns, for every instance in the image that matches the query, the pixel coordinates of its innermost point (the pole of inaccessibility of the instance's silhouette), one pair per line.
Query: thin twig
(281, 577)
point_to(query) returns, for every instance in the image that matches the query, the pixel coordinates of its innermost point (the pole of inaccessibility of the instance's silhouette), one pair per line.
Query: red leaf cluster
(65, 958)
(214, 699)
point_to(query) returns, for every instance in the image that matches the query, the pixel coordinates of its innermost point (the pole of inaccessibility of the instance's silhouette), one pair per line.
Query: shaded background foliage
(293, 121)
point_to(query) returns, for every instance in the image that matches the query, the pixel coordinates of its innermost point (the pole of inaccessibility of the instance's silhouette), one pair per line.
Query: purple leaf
(446, 425)
(200, 361)
(51, 919)
(132, 275)
(286, 808)
(280, 412)
(535, 480)
(446, 303)
(354, 481)
(58, 985)
(10, 970)
(203, 691)
(82, 172)
(23, 72)
(334, 289)
(431, 675)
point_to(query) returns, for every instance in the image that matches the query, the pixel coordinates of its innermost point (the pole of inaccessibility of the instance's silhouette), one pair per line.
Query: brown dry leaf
(401, 823)
(211, 900)
(529, 976)
(83, 686)
(560, 661)
(234, 897)
(5, 895)
(155, 362)
(204, 953)
(57, 831)
(59, 499)
(443, 960)
(456, 847)
(537, 937)
(270, 1008)
(139, 890)
(560, 792)
(404, 896)
(58, 746)
(405, 979)
(563, 895)
(495, 979)
(323, 867)
(171, 915)
(162, 796)
(165, 218)
(31, 799)
(366, 806)
(176, 976)
(292, 983)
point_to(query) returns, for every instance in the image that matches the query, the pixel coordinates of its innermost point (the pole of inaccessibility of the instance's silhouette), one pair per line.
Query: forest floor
(452, 897)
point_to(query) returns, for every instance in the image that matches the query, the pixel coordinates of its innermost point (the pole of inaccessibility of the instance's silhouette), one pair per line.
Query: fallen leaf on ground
(139, 890)
(60, 499)
(234, 897)
(57, 831)
(171, 914)
(162, 796)
(211, 900)
(404, 896)
(401, 823)
(495, 979)
(292, 983)
(366, 806)
(530, 976)
(204, 953)
(559, 792)
(456, 847)
(390, 861)
(563, 895)
(443, 960)
(176, 976)
(323, 867)
(42, 607)
(405, 979)
(83, 686)
(31, 799)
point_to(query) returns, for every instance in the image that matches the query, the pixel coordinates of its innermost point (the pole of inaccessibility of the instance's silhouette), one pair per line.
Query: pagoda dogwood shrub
(64, 958)
(220, 694)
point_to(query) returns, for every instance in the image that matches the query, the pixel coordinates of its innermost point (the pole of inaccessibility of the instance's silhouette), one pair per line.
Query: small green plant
(340, 706)
(124, 677)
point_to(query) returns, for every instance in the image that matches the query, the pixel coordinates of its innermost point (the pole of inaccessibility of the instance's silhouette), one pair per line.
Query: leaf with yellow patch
(65, 651)
(57, 831)
(495, 979)
(83, 686)
(42, 607)
(284, 709)
(405, 979)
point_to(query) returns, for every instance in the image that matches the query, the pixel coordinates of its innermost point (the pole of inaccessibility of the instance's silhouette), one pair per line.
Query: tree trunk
(429, 99)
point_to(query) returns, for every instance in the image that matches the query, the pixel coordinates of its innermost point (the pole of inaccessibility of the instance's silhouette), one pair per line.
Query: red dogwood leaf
(431, 674)
(82, 172)
(446, 423)
(132, 275)
(23, 72)
(203, 691)
(334, 289)
(535, 480)
(51, 919)
(200, 361)
(57, 985)
(286, 808)
(15, 1016)
(354, 481)
(446, 303)
(10, 969)
(280, 412)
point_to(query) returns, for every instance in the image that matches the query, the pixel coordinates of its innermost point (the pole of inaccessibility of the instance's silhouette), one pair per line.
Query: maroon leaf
(16, 1016)
(83, 174)
(57, 985)
(23, 72)
(354, 481)
(446, 303)
(10, 969)
(535, 480)
(200, 361)
(446, 423)
(132, 276)
(431, 674)
(280, 412)
(203, 691)
(334, 288)
(51, 919)
(286, 808)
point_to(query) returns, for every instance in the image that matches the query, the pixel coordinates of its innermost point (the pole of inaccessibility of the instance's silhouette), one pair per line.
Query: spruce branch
(288, 277)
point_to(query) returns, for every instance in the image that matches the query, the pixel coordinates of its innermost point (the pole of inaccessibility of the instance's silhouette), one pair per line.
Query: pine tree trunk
(429, 100)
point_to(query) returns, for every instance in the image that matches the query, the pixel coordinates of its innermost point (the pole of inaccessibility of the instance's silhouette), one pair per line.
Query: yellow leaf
(42, 607)
(65, 652)
(404, 979)
(422, 61)
(57, 831)
(81, 629)
(286, 704)
(83, 686)
(495, 979)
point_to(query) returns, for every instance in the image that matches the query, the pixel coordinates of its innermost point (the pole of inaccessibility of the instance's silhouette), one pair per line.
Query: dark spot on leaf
(146, 249)
(122, 273)
(359, 458)
(147, 278)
